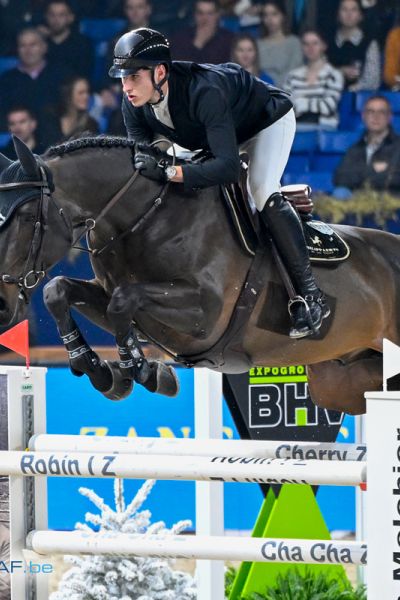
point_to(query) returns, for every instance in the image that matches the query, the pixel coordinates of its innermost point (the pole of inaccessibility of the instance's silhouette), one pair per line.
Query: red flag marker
(17, 339)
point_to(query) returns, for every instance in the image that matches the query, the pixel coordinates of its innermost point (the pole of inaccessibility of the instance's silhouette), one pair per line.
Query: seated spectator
(301, 15)
(279, 51)
(245, 54)
(206, 42)
(66, 46)
(22, 123)
(71, 119)
(375, 159)
(33, 79)
(316, 87)
(172, 16)
(391, 72)
(353, 51)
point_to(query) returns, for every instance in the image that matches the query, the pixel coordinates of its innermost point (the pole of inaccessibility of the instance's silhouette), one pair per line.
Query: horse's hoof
(163, 379)
(121, 387)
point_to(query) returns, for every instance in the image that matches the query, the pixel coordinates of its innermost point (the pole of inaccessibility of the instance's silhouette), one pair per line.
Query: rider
(219, 108)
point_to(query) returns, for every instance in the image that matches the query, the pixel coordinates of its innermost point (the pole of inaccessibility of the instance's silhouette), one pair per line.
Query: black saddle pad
(323, 243)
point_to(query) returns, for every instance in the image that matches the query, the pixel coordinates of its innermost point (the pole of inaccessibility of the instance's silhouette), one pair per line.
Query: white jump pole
(190, 468)
(198, 447)
(23, 412)
(216, 548)
(210, 575)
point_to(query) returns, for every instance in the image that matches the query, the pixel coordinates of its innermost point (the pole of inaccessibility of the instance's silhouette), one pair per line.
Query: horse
(169, 267)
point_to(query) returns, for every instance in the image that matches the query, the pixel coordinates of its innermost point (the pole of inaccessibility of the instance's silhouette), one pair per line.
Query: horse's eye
(29, 218)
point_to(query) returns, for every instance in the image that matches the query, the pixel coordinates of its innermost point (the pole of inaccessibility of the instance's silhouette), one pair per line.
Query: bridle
(32, 275)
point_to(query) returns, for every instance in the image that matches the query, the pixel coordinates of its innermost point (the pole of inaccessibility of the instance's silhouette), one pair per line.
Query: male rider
(219, 108)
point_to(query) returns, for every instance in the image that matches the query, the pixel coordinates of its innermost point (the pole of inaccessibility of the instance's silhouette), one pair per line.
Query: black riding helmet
(141, 49)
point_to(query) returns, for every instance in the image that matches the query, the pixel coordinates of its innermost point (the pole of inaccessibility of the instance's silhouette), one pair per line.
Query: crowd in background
(55, 54)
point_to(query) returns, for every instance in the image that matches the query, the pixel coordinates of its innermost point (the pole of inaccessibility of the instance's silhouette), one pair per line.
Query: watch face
(171, 172)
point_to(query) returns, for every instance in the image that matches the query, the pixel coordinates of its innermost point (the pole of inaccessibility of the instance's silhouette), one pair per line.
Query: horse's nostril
(3, 304)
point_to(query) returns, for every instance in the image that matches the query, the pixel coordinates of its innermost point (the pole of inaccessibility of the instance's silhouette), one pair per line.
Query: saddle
(323, 243)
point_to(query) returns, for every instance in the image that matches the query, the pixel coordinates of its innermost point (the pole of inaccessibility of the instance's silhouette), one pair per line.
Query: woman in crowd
(245, 54)
(316, 87)
(72, 118)
(354, 51)
(279, 51)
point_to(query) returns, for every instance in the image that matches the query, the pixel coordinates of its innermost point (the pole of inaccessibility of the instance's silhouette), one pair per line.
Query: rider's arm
(213, 111)
(136, 126)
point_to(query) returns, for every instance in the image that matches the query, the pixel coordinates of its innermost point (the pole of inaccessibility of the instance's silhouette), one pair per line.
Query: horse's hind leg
(90, 299)
(340, 384)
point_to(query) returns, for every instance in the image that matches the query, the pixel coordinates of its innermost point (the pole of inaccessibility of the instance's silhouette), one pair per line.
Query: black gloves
(149, 165)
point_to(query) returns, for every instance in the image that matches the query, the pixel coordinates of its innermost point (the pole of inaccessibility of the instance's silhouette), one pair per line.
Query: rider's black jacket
(212, 107)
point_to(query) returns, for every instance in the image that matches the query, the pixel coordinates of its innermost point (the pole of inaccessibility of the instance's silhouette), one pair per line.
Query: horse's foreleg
(89, 298)
(153, 375)
(340, 385)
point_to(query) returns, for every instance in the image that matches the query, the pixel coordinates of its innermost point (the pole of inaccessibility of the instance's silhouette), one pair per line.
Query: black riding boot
(284, 225)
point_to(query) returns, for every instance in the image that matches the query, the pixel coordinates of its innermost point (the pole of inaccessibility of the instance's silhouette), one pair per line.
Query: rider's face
(139, 86)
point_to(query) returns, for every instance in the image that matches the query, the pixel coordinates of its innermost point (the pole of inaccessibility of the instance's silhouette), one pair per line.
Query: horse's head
(27, 217)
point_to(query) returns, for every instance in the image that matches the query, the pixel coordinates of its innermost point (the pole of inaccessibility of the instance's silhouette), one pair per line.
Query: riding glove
(150, 167)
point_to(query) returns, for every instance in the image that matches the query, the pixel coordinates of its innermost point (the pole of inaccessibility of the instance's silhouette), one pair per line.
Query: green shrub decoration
(310, 585)
(378, 205)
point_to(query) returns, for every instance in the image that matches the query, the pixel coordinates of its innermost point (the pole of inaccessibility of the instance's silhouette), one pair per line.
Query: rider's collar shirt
(162, 113)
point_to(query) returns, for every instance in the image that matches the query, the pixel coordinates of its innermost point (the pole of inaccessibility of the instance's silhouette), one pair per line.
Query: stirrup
(312, 328)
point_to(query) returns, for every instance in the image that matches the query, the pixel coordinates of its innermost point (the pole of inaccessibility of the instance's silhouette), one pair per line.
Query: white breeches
(268, 153)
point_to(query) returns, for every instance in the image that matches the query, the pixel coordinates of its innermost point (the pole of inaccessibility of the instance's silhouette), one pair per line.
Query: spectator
(301, 15)
(33, 79)
(66, 46)
(245, 54)
(375, 159)
(206, 42)
(353, 51)
(279, 51)
(71, 119)
(391, 73)
(170, 17)
(316, 87)
(22, 123)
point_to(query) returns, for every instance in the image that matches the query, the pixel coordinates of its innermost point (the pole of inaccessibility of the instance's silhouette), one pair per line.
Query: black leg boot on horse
(308, 312)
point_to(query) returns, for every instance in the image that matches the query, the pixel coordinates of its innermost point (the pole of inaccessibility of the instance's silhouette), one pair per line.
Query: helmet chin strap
(158, 86)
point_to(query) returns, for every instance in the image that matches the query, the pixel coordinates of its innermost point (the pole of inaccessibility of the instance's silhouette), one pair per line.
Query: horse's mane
(102, 141)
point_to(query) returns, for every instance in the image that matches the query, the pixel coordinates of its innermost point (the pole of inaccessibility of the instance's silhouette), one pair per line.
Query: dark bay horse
(173, 270)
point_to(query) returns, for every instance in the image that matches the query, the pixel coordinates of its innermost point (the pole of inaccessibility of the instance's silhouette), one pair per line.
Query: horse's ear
(26, 157)
(4, 162)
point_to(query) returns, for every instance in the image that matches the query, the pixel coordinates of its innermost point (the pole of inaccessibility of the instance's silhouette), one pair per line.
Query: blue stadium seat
(231, 23)
(7, 62)
(4, 138)
(101, 30)
(337, 141)
(393, 97)
(326, 162)
(396, 123)
(320, 181)
(298, 163)
(346, 110)
(305, 142)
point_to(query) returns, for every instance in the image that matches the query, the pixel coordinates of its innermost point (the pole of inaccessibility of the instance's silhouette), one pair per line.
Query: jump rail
(193, 468)
(200, 547)
(196, 447)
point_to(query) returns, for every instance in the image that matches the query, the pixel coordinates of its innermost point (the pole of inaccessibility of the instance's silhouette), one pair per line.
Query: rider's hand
(150, 167)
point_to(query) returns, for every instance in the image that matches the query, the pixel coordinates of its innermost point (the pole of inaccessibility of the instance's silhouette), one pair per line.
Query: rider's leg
(268, 154)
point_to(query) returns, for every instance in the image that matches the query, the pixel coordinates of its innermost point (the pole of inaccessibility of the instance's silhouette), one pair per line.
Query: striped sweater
(318, 102)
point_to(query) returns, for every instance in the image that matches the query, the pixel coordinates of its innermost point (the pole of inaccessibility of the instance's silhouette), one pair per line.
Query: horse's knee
(55, 294)
(122, 303)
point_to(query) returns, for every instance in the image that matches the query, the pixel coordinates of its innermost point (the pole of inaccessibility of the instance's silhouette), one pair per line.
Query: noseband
(32, 275)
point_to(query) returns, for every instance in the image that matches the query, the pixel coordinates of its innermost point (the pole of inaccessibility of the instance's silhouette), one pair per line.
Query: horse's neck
(83, 189)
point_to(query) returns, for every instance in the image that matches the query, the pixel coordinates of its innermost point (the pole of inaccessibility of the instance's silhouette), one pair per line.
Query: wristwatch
(170, 172)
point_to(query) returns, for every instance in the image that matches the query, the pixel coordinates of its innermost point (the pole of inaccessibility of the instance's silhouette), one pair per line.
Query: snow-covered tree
(109, 577)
